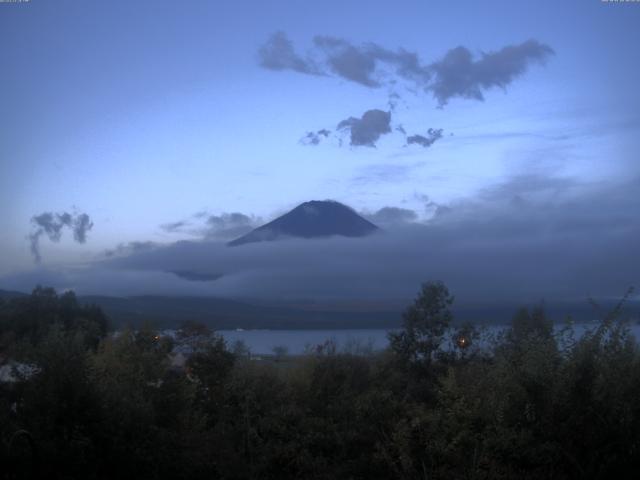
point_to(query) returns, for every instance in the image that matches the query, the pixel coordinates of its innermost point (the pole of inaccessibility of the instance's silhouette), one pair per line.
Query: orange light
(462, 342)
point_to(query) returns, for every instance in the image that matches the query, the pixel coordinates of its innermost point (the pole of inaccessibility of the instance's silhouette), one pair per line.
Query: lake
(262, 342)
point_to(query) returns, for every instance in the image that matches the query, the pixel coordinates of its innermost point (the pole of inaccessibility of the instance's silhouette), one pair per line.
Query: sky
(126, 127)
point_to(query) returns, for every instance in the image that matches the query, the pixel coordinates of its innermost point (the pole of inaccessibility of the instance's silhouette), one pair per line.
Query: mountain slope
(314, 219)
(9, 294)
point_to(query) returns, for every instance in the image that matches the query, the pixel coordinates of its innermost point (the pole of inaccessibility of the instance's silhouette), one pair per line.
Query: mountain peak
(312, 219)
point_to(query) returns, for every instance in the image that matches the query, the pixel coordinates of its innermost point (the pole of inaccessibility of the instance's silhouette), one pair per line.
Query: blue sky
(144, 113)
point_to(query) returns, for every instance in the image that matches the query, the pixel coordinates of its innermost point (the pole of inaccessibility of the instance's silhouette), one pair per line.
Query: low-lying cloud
(223, 226)
(229, 225)
(392, 216)
(558, 239)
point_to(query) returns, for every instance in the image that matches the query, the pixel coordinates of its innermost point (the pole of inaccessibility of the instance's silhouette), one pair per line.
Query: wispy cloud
(51, 225)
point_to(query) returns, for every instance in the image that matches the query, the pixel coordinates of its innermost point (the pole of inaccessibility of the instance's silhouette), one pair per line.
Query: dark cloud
(81, 224)
(459, 75)
(366, 130)
(51, 224)
(347, 61)
(362, 64)
(34, 245)
(433, 135)
(406, 64)
(392, 216)
(278, 54)
(314, 138)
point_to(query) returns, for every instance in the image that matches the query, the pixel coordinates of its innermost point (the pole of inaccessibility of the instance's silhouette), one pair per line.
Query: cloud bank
(523, 240)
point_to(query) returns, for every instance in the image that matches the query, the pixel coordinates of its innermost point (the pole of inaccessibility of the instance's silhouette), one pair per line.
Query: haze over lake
(261, 342)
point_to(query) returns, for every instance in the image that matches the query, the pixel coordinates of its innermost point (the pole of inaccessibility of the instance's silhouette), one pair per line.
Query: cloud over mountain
(521, 240)
(393, 216)
(223, 226)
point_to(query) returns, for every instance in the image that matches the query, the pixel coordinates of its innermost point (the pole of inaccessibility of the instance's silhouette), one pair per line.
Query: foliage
(424, 325)
(535, 402)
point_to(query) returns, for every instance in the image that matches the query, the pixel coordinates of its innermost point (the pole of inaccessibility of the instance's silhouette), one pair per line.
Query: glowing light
(462, 341)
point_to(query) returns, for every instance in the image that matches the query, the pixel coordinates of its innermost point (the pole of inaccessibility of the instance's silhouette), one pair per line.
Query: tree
(279, 352)
(424, 325)
(210, 366)
(527, 324)
(30, 318)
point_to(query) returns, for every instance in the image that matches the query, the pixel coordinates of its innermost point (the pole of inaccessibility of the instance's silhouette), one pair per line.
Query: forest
(79, 400)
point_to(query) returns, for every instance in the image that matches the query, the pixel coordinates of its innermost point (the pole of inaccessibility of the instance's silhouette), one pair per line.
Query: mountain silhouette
(314, 219)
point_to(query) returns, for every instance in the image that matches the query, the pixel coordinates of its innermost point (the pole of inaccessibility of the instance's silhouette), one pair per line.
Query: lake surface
(261, 342)
(298, 341)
